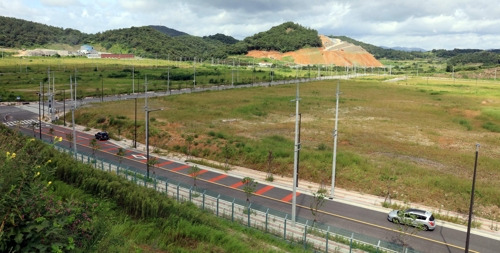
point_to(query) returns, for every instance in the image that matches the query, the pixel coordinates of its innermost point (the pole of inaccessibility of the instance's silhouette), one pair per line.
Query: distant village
(85, 50)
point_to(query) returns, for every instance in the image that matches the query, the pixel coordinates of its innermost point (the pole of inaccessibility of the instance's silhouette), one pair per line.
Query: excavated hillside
(333, 51)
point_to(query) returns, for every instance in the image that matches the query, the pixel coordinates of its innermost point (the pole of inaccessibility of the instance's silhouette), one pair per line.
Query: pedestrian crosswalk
(27, 122)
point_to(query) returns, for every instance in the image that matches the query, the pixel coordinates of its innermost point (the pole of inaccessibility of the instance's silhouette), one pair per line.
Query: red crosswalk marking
(236, 185)
(289, 197)
(264, 189)
(199, 173)
(180, 168)
(164, 163)
(217, 178)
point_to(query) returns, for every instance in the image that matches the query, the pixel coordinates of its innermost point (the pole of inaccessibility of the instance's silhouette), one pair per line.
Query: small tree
(95, 146)
(152, 163)
(69, 137)
(407, 226)
(194, 171)
(120, 153)
(189, 141)
(228, 153)
(34, 125)
(51, 132)
(317, 202)
(270, 159)
(249, 186)
(389, 179)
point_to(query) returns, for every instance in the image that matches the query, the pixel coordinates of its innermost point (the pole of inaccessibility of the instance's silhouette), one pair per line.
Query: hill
(168, 31)
(21, 33)
(284, 38)
(147, 41)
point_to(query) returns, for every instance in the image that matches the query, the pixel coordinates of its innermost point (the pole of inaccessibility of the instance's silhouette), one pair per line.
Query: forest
(165, 43)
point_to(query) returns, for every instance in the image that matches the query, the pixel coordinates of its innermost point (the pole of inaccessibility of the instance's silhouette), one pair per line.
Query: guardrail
(317, 236)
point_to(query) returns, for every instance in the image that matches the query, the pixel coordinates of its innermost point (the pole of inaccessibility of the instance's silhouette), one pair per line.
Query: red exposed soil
(333, 52)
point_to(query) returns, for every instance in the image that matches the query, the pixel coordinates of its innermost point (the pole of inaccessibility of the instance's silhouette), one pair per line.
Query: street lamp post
(471, 200)
(335, 134)
(147, 138)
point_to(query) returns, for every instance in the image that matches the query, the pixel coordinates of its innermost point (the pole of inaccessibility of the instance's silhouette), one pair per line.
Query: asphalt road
(349, 217)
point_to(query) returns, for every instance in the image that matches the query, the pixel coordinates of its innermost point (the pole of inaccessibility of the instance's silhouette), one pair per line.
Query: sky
(426, 24)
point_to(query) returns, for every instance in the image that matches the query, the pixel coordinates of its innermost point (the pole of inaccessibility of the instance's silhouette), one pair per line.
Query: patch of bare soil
(333, 52)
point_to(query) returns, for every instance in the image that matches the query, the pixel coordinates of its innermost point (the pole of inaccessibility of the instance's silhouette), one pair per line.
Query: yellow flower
(30, 140)
(8, 154)
(37, 174)
(49, 161)
(49, 183)
(13, 155)
(60, 138)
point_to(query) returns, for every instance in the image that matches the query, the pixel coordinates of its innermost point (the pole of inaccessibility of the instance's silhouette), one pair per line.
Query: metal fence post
(109, 167)
(178, 191)
(305, 234)
(350, 243)
(155, 182)
(190, 193)
(284, 227)
(203, 204)
(217, 212)
(327, 237)
(166, 187)
(135, 177)
(232, 210)
(248, 214)
(267, 215)
(102, 165)
(378, 245)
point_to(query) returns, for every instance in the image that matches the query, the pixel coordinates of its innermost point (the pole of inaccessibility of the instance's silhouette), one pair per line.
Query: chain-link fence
(314, 236)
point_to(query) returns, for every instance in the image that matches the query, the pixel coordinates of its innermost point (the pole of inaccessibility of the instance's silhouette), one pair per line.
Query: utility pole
(194, 71)
(39, 113)
(296, 157)
(73, 96)
(102, 89)
(133, 79)
(471, 200)
(335, 134)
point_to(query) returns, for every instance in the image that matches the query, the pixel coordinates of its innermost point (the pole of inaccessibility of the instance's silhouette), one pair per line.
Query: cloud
(426, 23)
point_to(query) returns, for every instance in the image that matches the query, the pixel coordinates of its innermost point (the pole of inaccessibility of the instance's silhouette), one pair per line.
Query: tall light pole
(334, 163)
(39, 113)
(296, 156)
(135, 124)
(73, 96)
(147, 138)
(471, 200)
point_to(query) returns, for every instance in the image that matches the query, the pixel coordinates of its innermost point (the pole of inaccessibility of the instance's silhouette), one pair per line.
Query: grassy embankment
(52, 203)
(421, 133)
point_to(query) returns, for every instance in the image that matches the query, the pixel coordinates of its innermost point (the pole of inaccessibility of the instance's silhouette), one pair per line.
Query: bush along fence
(316, 237)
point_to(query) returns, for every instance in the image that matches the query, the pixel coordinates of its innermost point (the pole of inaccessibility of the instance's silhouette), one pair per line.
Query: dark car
(102, 136)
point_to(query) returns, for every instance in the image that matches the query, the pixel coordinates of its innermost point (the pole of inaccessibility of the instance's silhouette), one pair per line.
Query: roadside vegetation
(51, 203)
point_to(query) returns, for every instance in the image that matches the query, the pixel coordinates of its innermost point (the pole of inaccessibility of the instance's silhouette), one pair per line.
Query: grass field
(420, 132)
(22, 77)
